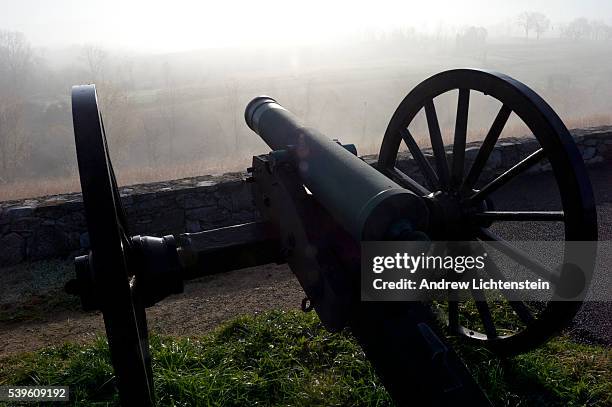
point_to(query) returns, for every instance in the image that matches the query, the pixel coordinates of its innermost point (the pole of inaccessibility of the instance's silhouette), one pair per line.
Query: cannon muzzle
(365, 202)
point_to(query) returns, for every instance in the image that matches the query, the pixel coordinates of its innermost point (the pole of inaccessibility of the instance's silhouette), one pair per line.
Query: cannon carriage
(318, 202)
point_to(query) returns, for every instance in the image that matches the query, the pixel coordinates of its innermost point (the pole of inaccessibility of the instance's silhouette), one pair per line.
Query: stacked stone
(55, 226)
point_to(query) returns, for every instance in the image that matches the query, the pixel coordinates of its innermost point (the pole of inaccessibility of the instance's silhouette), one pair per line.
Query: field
(192, 123)
(287, 358)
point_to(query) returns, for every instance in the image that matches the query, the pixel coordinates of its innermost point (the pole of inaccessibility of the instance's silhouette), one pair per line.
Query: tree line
(579, 28)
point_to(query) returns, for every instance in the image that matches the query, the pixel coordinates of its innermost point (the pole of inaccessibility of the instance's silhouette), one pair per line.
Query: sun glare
(155, 25)
(180, 25)
(189, 23)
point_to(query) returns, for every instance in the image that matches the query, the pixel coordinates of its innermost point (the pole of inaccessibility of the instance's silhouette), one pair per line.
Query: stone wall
(54, 226)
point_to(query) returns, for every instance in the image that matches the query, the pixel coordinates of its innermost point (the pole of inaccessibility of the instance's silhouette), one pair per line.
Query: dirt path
(205, 303)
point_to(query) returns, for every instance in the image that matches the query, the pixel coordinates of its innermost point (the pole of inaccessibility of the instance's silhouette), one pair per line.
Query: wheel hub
(451, 218)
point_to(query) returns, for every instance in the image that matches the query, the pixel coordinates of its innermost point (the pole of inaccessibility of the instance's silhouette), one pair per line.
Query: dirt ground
(205, 304)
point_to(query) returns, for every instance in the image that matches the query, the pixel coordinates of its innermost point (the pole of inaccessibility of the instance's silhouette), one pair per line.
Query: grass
(287, 358)
(560, 373)
(276, 358)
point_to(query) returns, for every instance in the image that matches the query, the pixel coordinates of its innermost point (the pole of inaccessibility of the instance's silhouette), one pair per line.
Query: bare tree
(600, 30)
(540, 23)
(471, 38)
(579, 28)
(525, 22)
(118, 111)
(15, 65)
(96, 59)
(533, 20)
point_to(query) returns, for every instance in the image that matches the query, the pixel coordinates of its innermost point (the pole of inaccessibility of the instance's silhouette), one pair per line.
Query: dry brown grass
(125, 176)
(38, 187)
(131, 176)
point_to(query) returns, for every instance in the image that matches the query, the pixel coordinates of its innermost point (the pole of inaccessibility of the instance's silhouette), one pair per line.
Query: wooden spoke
(417, 154)
(485, 313)
(519, 307)
(453, 316)
(518, 216)
(522, 311)
(405, 181)
(503, 179)
(461, 122)
(453, 310)
(486, 148)
(517, 255)
(437, 144)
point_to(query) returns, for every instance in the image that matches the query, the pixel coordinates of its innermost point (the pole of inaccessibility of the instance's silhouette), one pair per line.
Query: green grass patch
(559, 373)
(287, 358)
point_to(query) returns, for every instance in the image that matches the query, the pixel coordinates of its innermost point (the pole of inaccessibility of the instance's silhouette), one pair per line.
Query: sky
(179, 25)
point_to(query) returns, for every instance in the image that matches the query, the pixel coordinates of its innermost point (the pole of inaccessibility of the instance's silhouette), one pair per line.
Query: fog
(174, 77)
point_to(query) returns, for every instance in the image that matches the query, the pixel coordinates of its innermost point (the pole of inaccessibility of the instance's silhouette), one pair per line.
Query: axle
(162, 264)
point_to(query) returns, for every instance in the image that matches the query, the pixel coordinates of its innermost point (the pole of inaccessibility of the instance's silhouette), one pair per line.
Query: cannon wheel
(557, 146)
(124, 315)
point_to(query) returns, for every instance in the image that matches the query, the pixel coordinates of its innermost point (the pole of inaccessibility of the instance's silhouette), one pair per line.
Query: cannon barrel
(369, 205)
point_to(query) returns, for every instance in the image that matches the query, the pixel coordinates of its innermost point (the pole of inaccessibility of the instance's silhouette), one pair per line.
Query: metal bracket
(324, 258)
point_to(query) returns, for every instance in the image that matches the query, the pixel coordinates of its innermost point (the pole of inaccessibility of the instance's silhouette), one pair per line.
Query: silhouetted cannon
(319, 201)
(378, 208)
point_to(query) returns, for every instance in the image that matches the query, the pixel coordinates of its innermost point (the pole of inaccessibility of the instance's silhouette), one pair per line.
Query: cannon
(318, 202)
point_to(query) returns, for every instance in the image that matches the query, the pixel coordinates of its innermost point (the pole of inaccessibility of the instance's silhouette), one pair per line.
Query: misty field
(180, 115)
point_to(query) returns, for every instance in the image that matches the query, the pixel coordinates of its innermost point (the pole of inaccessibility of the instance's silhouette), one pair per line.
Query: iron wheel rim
(557, 145)
(124, 315)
